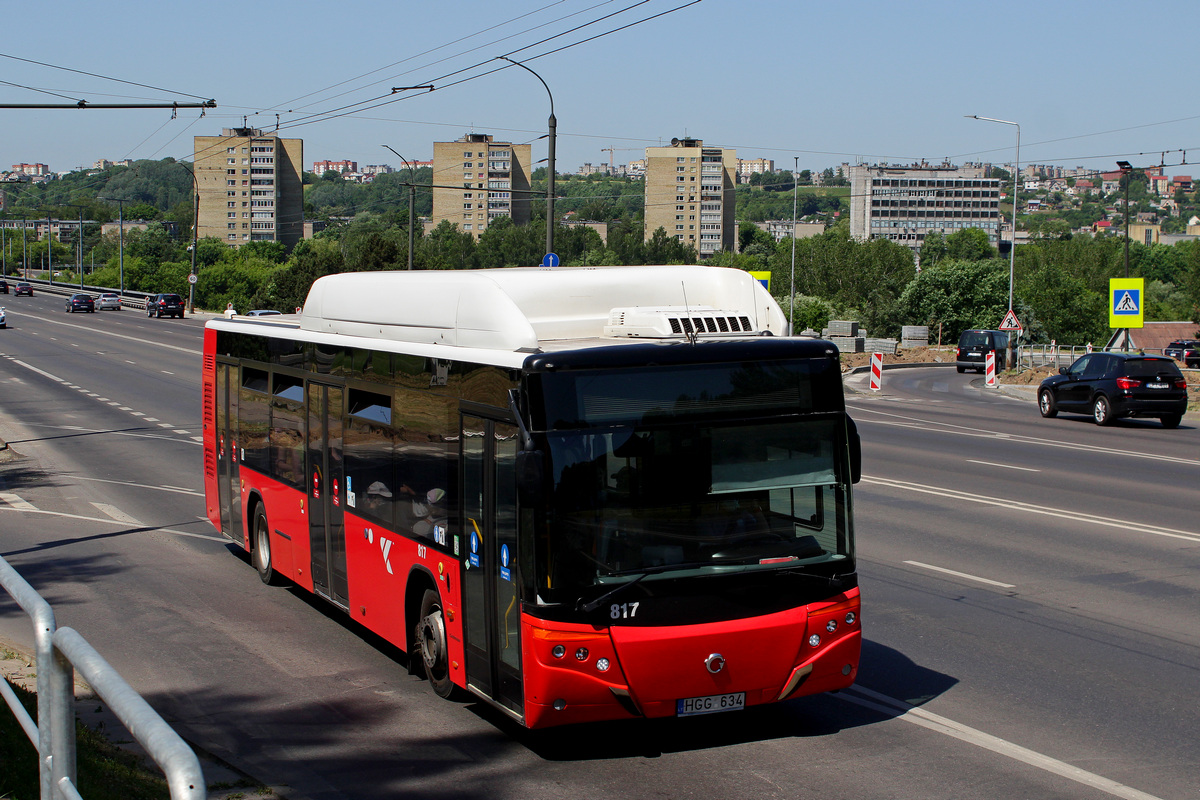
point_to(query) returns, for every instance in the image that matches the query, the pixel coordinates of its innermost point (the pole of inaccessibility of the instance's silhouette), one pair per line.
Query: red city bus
(579, 494)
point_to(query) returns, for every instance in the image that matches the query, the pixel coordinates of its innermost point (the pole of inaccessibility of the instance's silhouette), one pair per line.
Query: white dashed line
(116, 513)
(961, 575)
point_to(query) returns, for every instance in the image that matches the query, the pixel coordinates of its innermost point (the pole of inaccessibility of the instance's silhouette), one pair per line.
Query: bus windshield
(675, 499)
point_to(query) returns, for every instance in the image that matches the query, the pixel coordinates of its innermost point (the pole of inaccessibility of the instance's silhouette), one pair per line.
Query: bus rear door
(491, 574)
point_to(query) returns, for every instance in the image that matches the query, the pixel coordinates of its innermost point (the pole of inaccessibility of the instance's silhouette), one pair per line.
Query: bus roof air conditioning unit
(670, 322)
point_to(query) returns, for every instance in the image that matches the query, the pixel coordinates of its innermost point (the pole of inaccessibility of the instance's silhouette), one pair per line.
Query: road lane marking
(962, 575)
(16, 502)
(1015, 505)
(866, 698)
(164, 488)
(1005, 466)
(138, 339)
(926, 426)
(107, 521)
(116, 513)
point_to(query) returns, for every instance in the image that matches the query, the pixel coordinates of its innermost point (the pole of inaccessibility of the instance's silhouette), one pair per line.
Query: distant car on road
(3, 319)
(24, 288)
(164, 305)
(1175, 349)
(3, 286)
(80, 302)
(1191, 357)
(973, 347)
(1113, 385)
(108, 301)
(263, 312)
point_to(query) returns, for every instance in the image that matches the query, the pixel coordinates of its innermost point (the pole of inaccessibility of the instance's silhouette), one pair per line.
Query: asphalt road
(1029, 607)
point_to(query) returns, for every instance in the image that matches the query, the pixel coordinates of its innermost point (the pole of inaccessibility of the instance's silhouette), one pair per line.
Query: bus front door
(491, 563)
(229, 490)
(326, 490)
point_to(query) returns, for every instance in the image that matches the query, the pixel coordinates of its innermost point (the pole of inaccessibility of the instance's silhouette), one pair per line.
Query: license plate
(1156, 386)
(974, 354)
(712, 704)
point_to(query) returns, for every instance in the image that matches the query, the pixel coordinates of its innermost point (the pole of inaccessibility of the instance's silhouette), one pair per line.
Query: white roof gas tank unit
(669, 322)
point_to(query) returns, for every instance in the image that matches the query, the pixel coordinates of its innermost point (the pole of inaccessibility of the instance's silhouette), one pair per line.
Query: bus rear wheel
(262, 548)
(430, 639)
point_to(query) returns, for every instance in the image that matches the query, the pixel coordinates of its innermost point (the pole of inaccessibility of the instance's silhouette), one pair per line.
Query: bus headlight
(814, 640)
(559, 651)
(602, 664)
(831, 626)
(581, 654)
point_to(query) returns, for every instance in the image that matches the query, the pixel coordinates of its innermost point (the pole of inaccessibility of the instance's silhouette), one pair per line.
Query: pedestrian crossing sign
(1125, 302)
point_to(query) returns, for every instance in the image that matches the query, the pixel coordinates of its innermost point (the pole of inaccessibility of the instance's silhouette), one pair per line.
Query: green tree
(1066, 309)
(959, 295)
(969, 244)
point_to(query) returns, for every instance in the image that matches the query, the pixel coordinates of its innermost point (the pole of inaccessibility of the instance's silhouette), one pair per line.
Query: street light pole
(1127, 172)
(792, 296)
(553, 128)
(412, 195)
(121, 240)
(1012, 253)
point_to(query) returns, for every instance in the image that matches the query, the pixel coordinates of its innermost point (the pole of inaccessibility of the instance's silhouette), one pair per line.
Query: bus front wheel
(262, 548)
(431, 644)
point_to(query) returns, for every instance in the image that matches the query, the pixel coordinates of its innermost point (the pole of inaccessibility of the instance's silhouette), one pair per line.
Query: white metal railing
(61, 651)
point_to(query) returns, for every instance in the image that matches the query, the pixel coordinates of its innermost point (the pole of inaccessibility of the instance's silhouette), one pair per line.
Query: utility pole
(49, 250)
(121, 240)
(412, 195)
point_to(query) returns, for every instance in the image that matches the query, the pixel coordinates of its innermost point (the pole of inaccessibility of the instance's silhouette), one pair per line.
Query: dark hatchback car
(3, 286)
(24, 288)
(164, 305)
(80, 302)
(973, 347)
(1109, 386)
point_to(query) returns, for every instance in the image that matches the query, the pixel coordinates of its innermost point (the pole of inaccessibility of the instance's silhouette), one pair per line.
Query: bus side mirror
(855, 451)
(530, 474)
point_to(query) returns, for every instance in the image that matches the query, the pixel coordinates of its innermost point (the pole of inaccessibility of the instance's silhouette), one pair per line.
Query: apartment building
(905, 204)
(321, 167)
(493, 176)
(690, 194)
(251, 187)
(750, 166)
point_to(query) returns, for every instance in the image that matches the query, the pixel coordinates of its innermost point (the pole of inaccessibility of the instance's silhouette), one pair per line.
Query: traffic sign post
(876, 371)
(550, 260)
(990, 369)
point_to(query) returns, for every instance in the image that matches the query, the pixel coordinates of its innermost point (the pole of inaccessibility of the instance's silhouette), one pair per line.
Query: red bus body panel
(657, 666)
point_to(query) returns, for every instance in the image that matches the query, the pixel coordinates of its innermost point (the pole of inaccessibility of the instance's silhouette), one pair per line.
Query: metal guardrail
(1033, 356)
(60, 651)
(128, 299)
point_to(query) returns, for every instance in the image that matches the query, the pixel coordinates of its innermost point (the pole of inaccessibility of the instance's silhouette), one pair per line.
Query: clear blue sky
(877, 80)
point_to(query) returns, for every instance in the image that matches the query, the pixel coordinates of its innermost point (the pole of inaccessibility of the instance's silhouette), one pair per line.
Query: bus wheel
(431, 644)
(262, 547)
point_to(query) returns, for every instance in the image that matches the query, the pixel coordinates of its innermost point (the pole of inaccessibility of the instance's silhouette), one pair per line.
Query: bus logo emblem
(715, 663)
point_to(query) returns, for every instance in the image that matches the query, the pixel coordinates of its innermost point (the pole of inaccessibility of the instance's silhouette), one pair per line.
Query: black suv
(164, 305)
(973, 347)
(1175, 349)
(1113, 385)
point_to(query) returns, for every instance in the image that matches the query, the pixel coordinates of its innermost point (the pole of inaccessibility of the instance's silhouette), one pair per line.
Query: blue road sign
(551, 260)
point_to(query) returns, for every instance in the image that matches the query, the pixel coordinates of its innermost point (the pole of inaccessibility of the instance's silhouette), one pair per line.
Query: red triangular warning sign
(1010, 322)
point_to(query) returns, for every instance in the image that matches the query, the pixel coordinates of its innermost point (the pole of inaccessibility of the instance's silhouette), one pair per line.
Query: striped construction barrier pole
(991, 369)
(876, 371)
